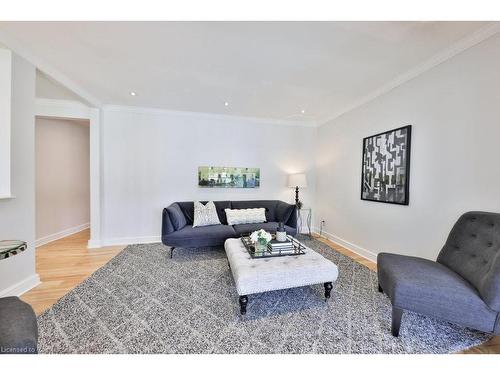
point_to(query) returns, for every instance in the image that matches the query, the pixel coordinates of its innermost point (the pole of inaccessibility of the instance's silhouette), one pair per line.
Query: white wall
(151, 158)
(17, 215)
(454, 109)
(5, 120)
(62, 177)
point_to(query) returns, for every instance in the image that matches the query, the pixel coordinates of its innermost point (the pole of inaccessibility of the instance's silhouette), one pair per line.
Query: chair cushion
(430, 288)
(269, 227)
(176, 216)
(269, 205)
(211, 235)
(18, 326)
(473, 251)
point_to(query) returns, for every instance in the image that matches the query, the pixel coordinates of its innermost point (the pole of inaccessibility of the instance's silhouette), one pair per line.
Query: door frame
(73, 110)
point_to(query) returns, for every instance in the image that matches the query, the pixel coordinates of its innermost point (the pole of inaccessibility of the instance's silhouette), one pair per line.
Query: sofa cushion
(211, 235)
(430, 288)
(269, 205)
(283, 211)
(176, 215)
(269, 227)
(188, 210)
(473, 251)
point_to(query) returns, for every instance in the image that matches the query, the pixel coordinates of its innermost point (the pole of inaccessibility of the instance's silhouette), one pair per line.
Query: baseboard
(129, 240)
(21, 287)
(365, 253)
(64, 233)
(93, 244)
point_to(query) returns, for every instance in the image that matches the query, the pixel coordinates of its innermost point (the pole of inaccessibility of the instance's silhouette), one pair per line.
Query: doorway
(62, 178)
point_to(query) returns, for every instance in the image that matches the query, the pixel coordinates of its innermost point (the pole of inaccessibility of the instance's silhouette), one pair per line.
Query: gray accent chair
(178, 231)
(18, 327)
(462, 286)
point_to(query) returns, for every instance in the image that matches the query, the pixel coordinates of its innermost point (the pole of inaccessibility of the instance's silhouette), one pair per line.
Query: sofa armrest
(286, 213)
(166, 224)
(292, 221)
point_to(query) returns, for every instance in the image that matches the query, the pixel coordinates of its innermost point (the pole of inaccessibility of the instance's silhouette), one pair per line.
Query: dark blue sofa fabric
(270, 227)
(18, 327)
(211, 235)
(473, 251)
(179, 232)
(463, 286)
(176, 216)
(429, 288)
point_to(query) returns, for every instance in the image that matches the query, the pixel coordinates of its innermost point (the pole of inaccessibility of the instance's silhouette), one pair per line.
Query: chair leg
(172, 252)
(380, 289)
(396, 320)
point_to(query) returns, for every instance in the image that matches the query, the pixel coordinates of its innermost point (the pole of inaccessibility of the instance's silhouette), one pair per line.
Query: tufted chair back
(473, 251)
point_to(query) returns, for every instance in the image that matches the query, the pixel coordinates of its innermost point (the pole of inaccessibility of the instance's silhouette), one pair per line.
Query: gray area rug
(144, 302)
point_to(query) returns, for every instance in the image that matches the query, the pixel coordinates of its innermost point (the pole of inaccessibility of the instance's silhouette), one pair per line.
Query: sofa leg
(172, 252)
(243, 304)
(380, 289)
(396, 320)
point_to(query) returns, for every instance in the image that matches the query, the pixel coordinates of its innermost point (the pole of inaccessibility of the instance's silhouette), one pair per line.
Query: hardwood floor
(62, 265)
(65, 263)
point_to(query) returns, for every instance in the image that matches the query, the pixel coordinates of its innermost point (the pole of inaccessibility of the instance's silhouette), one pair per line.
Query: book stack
(277, 247)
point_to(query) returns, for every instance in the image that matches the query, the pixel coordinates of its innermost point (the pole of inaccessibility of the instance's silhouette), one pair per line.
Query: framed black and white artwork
(385, 175)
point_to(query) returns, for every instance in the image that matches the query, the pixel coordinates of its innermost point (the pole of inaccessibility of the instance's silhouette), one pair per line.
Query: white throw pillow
(205, 214)
(246, 216)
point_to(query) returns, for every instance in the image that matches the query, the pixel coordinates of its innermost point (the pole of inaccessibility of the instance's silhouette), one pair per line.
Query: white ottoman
(257, 275)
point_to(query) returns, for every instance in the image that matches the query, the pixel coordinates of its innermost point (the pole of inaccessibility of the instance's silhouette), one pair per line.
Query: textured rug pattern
(144, 302)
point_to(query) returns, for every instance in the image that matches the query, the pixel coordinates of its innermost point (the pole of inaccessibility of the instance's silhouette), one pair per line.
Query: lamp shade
(297, 180)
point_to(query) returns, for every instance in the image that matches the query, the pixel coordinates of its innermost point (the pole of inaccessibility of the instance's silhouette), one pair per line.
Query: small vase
(261, 245)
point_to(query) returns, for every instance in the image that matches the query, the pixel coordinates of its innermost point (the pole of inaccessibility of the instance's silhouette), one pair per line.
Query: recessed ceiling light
(226, 104)
(133, 93)
(303, 111)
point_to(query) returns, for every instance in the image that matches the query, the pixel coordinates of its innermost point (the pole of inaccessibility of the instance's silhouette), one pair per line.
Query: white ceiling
(263, 69)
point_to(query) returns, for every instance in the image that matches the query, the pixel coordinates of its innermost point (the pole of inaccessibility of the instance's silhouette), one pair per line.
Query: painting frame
(407, 156)
(228, 177)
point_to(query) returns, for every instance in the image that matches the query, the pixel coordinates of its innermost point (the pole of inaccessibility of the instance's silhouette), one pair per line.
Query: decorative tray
(298, 248)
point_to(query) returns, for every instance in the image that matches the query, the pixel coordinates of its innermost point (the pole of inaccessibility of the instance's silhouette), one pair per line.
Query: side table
(304, 217)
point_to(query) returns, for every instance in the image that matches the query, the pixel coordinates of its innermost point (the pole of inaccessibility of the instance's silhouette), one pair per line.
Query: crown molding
(18, 48)
(213, 116)
(463, 44)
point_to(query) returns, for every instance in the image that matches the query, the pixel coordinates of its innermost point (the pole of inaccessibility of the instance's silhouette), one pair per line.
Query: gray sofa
(462, 286)
(178, 231)
(18, 327)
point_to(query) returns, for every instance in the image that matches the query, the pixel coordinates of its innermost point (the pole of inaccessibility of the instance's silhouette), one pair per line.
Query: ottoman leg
(380, 289)
(243, 304)
(172, 252)
(328, 289)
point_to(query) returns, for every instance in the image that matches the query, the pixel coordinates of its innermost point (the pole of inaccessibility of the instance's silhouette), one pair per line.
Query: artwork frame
(228, 177)
(376, 189)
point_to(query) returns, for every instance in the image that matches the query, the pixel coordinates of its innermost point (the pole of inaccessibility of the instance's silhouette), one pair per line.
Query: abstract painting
(228, 177)
(386, 167)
